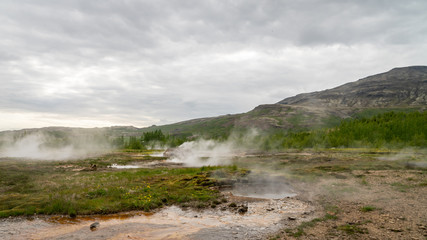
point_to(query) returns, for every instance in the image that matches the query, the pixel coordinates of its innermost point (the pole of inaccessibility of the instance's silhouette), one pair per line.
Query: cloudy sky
(100, 63)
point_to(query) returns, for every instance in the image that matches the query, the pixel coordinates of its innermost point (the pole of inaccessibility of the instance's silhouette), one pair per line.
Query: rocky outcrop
(399, 87)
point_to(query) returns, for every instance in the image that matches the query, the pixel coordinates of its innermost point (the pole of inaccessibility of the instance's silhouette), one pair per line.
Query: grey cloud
(175, 60)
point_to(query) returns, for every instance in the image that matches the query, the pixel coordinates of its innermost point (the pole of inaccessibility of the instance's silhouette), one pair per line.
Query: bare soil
(365, 204)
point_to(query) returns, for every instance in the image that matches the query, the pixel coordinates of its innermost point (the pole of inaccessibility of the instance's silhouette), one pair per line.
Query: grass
(352, 229)
(400, 186)
(54, 188)
(367, 208)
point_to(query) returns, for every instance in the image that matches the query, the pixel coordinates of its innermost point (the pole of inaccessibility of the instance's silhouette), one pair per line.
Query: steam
(45, 146)
(405, 154)
(263, 185)
(409, 157)
(204, 152)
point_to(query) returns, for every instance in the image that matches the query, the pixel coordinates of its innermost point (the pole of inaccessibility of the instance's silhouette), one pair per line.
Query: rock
(232, 205)
(93, 167)
(94, 226)
(243, 209)
(292, 218)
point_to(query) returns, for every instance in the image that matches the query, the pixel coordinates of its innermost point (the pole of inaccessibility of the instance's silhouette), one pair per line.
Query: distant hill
(400, 89)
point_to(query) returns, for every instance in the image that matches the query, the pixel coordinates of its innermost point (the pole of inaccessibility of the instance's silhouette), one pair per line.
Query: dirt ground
(364, 204)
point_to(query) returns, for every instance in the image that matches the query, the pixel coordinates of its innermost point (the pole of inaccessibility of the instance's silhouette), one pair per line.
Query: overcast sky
(110, 62)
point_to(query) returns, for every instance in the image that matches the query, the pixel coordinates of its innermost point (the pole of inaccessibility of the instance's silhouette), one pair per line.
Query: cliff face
(399, 87)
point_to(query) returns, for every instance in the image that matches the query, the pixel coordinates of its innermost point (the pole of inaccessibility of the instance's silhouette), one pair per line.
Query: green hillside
(390, 130)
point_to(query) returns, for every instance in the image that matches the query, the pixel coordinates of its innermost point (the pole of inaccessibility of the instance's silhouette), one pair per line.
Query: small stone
(94, 226)
(243, 209)
(292, 218)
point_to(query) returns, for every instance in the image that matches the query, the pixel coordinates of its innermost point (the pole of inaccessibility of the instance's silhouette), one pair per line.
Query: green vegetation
(352, 228)
(217, 127)
(367, 208)
(371, 112)
(393, 130)
(67, 188)
(148, 140)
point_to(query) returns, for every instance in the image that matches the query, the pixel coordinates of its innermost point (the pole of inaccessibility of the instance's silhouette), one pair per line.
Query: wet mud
(263, 217)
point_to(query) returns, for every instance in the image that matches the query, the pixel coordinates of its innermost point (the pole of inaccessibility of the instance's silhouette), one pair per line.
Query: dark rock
(93, 167)
(243, 209)
(94, 226)
(233, 205)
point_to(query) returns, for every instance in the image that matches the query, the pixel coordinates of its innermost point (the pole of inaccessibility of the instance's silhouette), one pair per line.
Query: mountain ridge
(406, 86)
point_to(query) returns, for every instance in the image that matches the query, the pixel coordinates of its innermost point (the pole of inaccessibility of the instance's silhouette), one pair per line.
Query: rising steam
(53, 146)
(211, 153)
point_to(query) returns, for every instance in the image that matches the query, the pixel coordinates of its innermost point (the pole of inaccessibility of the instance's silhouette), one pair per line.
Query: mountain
(399, 87)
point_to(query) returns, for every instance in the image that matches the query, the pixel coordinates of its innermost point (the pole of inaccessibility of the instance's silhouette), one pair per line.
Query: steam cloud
(211, 153)
(203, 153)
(42, 146)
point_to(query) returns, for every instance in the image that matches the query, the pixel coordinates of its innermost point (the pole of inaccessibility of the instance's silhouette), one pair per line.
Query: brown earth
(365, 204)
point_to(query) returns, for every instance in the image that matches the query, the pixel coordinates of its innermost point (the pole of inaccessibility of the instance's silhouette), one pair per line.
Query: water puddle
(263, 217)
(157, 154)
(151, 164)
(124, 166)
(271, 195)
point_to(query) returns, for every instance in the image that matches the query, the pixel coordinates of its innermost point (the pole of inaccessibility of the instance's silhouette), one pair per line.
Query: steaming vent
(261, 186)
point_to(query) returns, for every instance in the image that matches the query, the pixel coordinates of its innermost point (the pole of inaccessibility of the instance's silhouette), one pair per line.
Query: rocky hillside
(399, 87)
